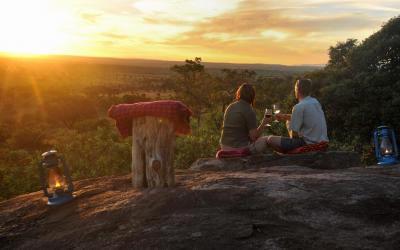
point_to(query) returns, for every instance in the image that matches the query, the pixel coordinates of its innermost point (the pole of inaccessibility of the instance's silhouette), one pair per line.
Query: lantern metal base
(385, 161)
(59, 199)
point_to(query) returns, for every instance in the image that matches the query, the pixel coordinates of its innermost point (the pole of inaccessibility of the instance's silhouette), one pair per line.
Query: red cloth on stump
(177, 112)
(233, 153)
(321, 146)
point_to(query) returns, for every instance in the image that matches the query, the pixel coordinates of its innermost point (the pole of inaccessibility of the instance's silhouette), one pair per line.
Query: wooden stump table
(153, 151)
(153, 127)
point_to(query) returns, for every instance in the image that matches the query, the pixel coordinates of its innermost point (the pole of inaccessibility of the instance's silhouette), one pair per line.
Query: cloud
(192, 10)
(167, 21)
(256, 17)
(91, 17)
(380, 6)
(284, 31)
(113, 35)
(258, 29)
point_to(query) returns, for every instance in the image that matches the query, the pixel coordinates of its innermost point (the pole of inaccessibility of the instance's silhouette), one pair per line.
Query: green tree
(381, 51)
(193, 85)
(360, 87)
(339, 55)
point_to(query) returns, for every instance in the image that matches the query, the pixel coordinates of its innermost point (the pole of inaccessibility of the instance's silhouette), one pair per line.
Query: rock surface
(318, 160)
(261, 207)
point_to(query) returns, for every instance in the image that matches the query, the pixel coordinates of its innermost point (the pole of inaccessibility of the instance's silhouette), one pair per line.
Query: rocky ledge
(316, 160)
(265, 206)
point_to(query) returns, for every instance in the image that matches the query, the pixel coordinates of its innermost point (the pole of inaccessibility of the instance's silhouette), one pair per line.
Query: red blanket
(322, 146)
(233, 153)
(175, 111)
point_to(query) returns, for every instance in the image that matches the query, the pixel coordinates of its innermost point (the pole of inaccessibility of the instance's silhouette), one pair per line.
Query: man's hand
(283, 117)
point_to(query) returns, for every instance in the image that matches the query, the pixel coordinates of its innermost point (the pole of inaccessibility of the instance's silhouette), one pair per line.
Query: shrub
(203, 142)
(94, 153)
(18, 172)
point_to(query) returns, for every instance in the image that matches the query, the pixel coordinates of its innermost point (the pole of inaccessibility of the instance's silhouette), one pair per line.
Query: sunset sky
(247, 31)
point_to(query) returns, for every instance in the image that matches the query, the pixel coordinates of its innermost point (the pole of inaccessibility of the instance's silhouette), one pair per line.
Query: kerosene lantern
(385, 146)
(56, 180)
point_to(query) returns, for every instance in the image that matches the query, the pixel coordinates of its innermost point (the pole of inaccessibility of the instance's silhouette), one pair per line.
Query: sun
(32, 27)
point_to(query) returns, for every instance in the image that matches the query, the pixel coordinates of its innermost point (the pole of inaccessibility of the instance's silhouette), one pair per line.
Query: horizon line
(32, 55)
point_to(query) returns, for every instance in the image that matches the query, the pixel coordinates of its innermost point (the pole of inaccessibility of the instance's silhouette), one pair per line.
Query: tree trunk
(153, 152)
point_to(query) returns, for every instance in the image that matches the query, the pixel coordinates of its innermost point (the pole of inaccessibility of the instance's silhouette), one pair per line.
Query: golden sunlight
(236, 31)
(32, 27)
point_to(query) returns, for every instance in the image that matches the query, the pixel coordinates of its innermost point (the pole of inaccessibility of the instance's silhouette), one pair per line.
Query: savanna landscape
(63, 102)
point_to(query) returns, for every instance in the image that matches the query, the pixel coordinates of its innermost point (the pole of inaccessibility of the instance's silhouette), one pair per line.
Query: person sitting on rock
(239, 129)
(306, 125)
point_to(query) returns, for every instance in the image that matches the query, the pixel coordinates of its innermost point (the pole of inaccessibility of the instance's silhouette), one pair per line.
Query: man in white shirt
(306, 124)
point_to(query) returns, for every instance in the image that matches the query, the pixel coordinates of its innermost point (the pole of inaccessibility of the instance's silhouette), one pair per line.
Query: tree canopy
(360, 86)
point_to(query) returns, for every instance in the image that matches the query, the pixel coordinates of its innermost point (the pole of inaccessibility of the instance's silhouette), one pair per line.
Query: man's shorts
(288, 143)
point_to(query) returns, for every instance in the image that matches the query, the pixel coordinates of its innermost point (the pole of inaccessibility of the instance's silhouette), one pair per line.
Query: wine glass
(268, 114)
(277, 110)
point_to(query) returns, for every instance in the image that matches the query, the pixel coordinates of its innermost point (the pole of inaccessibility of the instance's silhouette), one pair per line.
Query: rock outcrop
(259, 207)
(317, 160)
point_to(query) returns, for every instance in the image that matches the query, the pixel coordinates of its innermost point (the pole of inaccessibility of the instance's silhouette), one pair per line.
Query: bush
(204, 142)
(94, 153)
(18, 172)
(190, 148)
(366, 151)
(31, 137)
(88, 153)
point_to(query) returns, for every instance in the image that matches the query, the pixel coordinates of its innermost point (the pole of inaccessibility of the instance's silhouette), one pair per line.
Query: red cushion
(321, 146)
(233, 153)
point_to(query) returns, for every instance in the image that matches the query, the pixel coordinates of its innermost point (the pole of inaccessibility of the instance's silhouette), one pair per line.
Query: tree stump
(153, 152)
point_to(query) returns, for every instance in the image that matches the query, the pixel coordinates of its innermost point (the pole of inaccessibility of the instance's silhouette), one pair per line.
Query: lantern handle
(67, 174)
(394, 139)
(43, 179)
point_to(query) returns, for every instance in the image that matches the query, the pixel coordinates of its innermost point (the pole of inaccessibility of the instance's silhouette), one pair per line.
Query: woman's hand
(266, 120)
(255, 133)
